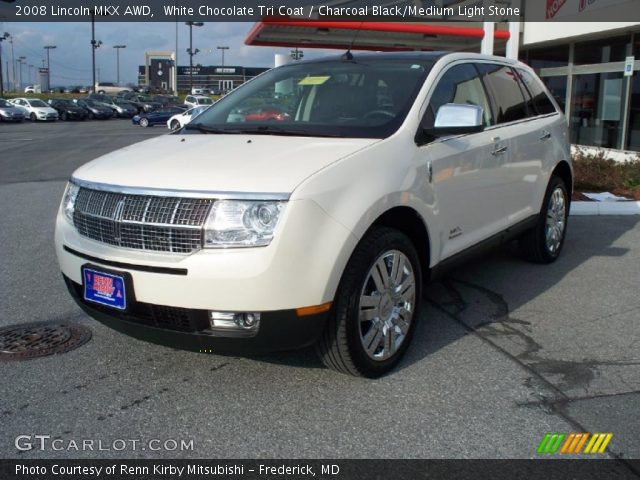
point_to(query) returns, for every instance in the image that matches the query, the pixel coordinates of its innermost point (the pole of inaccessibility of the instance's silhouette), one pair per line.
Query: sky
(71, 61)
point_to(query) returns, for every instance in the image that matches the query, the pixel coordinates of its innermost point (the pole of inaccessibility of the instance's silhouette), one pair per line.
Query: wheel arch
(563, 170)
(410, 222)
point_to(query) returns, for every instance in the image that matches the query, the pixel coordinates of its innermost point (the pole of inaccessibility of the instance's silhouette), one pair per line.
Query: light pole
(222, 49)
(2, 38)
(21, 61)
(94, 45)
(297, 54)
(191, 51)
(118, 47)
(48, 48)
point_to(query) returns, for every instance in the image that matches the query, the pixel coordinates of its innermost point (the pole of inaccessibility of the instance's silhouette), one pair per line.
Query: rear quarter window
(539, 99)
(504, 86)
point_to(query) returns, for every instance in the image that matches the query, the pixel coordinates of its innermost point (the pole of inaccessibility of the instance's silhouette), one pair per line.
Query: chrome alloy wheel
(387, 304)
(556, 220)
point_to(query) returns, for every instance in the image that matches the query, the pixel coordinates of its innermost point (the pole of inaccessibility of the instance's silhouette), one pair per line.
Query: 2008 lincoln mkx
(310, 205)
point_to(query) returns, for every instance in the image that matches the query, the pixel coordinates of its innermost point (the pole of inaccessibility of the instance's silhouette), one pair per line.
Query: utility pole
(2, 38)
(48, 48)
(222, 49)
(191, 51)
(118, 47)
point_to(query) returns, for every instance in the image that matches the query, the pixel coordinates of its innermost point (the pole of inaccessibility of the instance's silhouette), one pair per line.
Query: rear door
(519, 131)
(462, 169)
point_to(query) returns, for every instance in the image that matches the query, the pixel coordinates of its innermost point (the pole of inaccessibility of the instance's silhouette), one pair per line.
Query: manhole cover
(31, 340)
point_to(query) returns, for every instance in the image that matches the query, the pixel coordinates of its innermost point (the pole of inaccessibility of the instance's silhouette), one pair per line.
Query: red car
(266, 113)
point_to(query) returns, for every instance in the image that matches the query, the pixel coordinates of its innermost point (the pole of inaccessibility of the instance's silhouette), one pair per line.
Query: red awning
(379, 36)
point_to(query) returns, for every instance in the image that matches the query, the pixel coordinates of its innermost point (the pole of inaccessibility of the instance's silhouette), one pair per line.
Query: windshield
(4, 103)
(366, 99)
(204, 101)
(38, 103)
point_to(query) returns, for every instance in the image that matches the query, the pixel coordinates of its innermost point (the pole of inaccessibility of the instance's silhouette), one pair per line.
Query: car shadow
(447, 315)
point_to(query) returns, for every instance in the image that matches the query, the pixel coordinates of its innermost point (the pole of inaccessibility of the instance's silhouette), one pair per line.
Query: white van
(311, 205)
(109, 88)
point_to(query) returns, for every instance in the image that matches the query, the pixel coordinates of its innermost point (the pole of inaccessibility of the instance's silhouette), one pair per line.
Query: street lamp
(297, 54)
(48, 48)
(191, 51)
(222, 49)
(3, 37)
(95, 44)
(118, 47)
(21, 61)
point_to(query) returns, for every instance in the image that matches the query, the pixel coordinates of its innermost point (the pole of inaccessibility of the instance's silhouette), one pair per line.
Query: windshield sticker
(313, 80)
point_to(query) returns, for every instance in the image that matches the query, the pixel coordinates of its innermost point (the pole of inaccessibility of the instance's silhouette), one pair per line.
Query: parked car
(94, 109)
(31, 89)
(179, 120)
(195, 100)
(10, 112)
(198, 91)
(144, 103)
(157, 117)
(268, 112)
(109, 88)
(169, 101)
(35, 109)
(67, 110)
(121, 107)
(319, 229)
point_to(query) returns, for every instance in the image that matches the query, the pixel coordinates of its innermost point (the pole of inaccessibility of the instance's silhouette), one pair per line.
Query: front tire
(543, 243)
(33, 117)
(175, 125)
(376, 306)
(144, 122)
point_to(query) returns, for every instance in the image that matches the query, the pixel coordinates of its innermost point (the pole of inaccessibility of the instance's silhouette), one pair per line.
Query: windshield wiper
(260, 130)
(206, 129)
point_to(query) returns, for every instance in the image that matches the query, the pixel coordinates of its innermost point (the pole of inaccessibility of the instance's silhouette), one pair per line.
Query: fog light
(231, 324)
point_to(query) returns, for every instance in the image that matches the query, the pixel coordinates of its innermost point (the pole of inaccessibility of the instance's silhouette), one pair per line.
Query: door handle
(499, 151)
(546, 135)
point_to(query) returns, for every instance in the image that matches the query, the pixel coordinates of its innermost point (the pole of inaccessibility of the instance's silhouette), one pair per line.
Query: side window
(540, 102)
(503, 84)
(460, 84)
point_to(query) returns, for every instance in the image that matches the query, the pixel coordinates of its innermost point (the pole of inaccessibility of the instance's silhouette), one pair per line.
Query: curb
(605, 208)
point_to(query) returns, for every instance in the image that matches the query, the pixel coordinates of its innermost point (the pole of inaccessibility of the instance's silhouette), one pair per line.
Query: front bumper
(187, 329)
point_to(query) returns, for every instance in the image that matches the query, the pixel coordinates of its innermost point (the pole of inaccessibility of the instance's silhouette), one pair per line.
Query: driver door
(463, 170)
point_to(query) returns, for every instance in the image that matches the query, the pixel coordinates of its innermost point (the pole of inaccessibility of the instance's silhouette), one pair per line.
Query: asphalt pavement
(505, 351)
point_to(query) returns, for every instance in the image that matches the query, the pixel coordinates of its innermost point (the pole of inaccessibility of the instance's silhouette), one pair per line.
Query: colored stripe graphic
(598, 443)
(550, 443)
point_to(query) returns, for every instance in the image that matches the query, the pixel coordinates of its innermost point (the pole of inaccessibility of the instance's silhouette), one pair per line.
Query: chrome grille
(142, 222)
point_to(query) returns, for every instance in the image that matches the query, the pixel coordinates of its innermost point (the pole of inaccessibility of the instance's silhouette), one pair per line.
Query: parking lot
(505, 351)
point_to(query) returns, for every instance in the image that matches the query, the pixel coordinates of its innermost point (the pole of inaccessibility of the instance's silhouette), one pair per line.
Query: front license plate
(104, 288)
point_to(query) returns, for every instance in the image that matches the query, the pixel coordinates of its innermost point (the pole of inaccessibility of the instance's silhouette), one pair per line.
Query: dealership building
(590, 66)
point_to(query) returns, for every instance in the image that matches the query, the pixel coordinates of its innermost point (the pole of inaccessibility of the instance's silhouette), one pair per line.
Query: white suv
(309, 205)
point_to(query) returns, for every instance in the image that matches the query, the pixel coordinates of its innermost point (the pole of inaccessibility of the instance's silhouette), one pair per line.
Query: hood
(229, 163)
(14, 110)
(44, 109)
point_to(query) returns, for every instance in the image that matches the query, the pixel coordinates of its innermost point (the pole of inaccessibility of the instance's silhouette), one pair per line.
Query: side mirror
(457, 119)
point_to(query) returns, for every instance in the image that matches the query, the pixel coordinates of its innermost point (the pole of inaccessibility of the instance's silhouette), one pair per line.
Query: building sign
(553, 7)
(566, 8)
(225, 70)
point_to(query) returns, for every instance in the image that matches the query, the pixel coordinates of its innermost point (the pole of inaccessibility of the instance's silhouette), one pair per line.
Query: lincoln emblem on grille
(117, 216)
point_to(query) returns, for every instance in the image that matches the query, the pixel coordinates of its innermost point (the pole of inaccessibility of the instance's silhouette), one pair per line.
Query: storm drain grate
(32, 340)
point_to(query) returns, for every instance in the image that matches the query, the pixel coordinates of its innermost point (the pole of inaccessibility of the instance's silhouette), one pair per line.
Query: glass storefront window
(548, 58)
(633, 132)
(558, 88)
(601, 51)
(597, 109)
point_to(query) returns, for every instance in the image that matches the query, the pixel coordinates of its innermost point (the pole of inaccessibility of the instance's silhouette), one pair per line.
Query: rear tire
(375, 311)
(543, 243)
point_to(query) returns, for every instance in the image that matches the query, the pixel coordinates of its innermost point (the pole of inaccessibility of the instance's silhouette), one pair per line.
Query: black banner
(544, 469)
(354, 10)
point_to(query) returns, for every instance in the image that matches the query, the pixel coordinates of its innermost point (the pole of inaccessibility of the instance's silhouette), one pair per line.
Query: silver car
(9, 112)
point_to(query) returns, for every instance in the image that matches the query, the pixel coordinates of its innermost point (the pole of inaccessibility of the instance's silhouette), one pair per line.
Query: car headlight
(6, 114)
(242, 223)
(69, 200)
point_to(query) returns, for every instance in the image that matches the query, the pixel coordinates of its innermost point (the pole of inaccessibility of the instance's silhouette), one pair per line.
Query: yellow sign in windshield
(313, 80)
